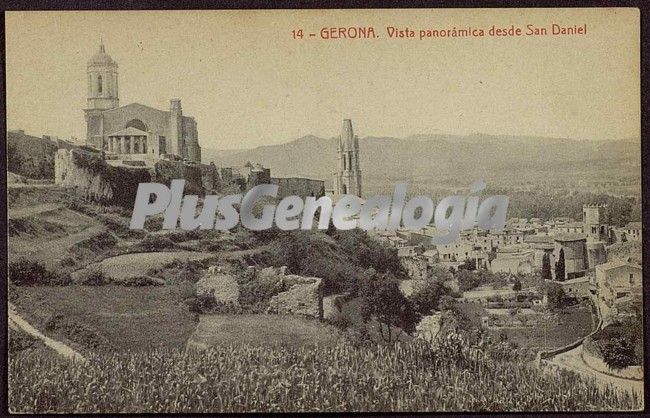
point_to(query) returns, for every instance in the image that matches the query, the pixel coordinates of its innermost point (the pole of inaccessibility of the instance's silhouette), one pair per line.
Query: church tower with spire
(348, 178)
(102, 94)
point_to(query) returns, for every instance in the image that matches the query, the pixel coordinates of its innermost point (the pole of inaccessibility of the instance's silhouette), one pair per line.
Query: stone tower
(102, 94)
(175, 143)
(348, 178)
(595, 222)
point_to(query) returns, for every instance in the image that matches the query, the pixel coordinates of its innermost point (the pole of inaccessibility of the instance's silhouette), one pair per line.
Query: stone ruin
(299, 295)
(223, 287)
(304, 295)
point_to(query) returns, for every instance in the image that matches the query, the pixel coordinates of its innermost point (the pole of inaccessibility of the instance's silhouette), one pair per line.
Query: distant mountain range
(441, 156)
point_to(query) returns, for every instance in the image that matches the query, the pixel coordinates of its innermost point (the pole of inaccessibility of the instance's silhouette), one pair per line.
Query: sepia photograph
(353, 210)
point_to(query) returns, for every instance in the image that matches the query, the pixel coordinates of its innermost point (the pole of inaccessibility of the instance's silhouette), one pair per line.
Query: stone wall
(210, 179)
(90, 176)
(304, 297)
(166, 171)
(298, 186)
(30, 156)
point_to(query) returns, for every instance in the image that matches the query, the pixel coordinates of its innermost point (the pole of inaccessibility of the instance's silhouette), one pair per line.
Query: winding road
(572, 360)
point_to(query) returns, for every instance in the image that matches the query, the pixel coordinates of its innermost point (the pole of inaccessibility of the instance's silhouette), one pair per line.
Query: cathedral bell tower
(348, 178)
(102, 94)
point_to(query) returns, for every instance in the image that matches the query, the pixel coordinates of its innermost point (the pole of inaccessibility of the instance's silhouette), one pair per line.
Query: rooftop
(130, 131)
(616, 264)
(571, 225)
(570, 237)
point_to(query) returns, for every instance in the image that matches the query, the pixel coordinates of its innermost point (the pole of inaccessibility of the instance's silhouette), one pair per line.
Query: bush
(77, 332)
(619, 352)
(140, 281)
(68, 261)
(255, 294)
(26, 272)
(178, 271)
(153, 224)
(155, 243)
(19, 341)
(182, 236)
(93, 276)
(207, 304)
(340, 322)
(426, 297)
(620, 344)
(207, 244)
(357, 335)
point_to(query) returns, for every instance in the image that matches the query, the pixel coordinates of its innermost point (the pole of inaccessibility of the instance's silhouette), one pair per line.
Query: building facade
(633, 231)
(134, 132)
(574, 247)
(618, 280)
(347, 180)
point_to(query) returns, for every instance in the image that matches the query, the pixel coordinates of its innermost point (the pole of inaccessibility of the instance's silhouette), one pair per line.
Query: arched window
(99, 84)
(137, 124)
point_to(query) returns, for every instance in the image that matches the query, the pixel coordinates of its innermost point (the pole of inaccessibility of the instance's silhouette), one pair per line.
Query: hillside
(30, 156)
(453, 161)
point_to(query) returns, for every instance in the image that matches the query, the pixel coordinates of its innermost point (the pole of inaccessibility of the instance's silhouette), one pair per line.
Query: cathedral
(347, 180)
(134, 132)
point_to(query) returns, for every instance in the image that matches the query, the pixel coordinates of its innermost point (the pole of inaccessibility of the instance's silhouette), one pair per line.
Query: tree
(468, 264)
(426, 297)
(384, 302)
(560, 268)
(467, 280)
(447, 303)
(555, 295)
(546, 267)
(618, 352)
(14, 159)
(517, 285)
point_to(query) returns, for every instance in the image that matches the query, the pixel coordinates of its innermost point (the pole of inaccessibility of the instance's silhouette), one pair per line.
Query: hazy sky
(248, 82)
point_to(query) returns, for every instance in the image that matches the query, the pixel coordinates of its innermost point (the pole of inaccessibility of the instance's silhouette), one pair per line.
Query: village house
(617, 281)
(514, 260)
(633, 231)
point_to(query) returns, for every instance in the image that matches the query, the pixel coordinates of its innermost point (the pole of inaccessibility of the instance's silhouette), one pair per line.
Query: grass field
(262, 330)
(572, 323)
(137, 264)
(133, 318)
(241, 378)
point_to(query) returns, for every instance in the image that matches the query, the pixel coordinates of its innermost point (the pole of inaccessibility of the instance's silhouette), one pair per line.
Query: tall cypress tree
(546, 267)
(560, 268)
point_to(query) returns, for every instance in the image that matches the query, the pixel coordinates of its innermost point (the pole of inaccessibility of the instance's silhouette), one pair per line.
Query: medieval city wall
(94, 179)
(166, 171)
(297, 186)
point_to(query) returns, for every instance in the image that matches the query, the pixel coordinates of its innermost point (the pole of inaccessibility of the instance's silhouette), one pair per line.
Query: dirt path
(17, 322)
(572, 360)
